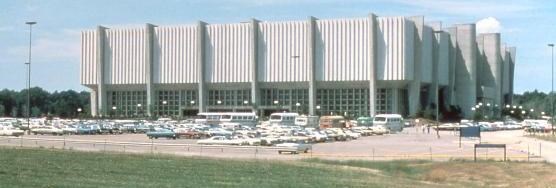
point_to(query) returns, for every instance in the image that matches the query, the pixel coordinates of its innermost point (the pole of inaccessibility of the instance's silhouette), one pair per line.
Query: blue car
(88, 129)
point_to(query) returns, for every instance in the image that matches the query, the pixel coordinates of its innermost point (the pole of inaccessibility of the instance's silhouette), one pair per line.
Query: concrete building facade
(353, 67)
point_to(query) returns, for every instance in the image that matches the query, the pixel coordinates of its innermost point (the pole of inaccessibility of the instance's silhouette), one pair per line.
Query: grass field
(57, 168)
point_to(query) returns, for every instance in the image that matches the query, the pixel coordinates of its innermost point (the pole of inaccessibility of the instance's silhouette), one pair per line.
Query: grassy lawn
(57, 168)
(547, 137)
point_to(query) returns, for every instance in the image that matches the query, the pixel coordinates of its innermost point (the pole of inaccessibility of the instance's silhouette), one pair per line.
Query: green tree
(2, 110)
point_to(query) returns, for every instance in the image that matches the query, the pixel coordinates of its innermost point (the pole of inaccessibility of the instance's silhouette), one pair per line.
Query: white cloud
(489, 25)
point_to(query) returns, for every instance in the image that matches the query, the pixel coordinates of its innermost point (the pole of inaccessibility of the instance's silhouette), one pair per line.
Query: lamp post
(114, 110)
(139, 109)
(78, 113)
(297, 107)
(318, 109)
(29, 74)
(164, 107)
(552, 89)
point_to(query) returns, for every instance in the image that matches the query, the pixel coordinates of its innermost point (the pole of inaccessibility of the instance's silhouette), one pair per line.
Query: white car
(221, 140)
(294, 148)
(47, 130)
(352, 135)
(10, 131)
(69, 129)
(379, 130)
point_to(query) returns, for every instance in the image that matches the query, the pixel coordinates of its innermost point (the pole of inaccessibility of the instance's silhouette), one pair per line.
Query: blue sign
(470, 132)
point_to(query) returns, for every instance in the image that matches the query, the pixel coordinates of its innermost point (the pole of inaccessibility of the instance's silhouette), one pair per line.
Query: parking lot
(412, 143)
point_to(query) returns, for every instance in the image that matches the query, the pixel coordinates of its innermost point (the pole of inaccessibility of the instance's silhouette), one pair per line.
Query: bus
(365, 121)
(307, 121)
(283, 118)
(217, 118)
(332, 122)
(393, 122)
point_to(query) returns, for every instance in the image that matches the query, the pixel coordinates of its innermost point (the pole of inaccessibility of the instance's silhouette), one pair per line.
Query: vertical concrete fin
(311, 37)
(372, 18)
(101, 106)
(254, 38)
(201, 62)
(415, 84)
(149, 60)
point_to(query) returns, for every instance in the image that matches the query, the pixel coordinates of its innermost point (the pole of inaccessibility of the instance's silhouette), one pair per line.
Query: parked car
(191, 134)
(294, 148)
(162, 133)
(379, 130)
(69, 129)
(47, 130)
(88, 129)
(220, 140)
(10, 131)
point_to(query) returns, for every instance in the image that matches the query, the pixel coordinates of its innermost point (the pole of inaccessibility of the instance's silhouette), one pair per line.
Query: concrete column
(493, 73)
(466, 68)
(395, 101)
(372, 69)
(452, 66)
(149, 60)
(512, 52)
(94, 110)
(312, 63)
(254, 40)
(202, 90)
(435, 63)
(415, 84)
(102, 107)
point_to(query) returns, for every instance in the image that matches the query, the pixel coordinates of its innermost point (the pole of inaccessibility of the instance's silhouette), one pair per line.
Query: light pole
(552, 90)
(297, 107)
(114, 111)
(29, 74)
(164, 107)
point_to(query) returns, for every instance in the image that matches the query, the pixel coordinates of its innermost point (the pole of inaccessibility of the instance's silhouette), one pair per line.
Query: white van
(283, 119)
(307, 121)
(393, 122)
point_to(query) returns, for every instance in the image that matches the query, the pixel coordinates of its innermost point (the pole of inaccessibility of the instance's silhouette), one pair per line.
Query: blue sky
(528, 25)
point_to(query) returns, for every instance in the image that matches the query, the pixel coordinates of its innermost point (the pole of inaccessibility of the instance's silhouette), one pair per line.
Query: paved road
(410, 144)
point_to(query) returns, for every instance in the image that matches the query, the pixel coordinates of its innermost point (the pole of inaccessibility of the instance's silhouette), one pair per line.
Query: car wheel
(150, 137)
(306, 151)
(279, 152)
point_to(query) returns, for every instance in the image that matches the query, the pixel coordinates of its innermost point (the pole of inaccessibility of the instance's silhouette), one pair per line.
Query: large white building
(356, 67)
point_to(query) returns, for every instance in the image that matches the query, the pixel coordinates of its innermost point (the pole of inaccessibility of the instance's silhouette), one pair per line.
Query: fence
(267, 152)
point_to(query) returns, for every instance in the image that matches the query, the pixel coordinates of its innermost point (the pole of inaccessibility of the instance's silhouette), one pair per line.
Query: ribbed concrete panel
(342, 50)
(228, 53)
(493, 73)
(283, 52)
(88, 58)
(426, 58)
(395, 39)
(506, 65)
(125, 56)
(175, 55)
(466, 68)
(443, 59)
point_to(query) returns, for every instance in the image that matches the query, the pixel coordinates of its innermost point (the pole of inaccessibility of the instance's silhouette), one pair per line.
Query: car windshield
(380, 119)
(275, 117)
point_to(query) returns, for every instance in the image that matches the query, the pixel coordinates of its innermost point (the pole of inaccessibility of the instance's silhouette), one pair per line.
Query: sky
(528, 25)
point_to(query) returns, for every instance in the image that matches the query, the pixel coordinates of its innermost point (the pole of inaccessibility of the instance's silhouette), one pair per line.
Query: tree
(2, 110)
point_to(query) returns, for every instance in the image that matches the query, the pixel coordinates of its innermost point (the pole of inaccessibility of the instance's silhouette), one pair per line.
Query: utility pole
(29, 75)
(552, 91)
